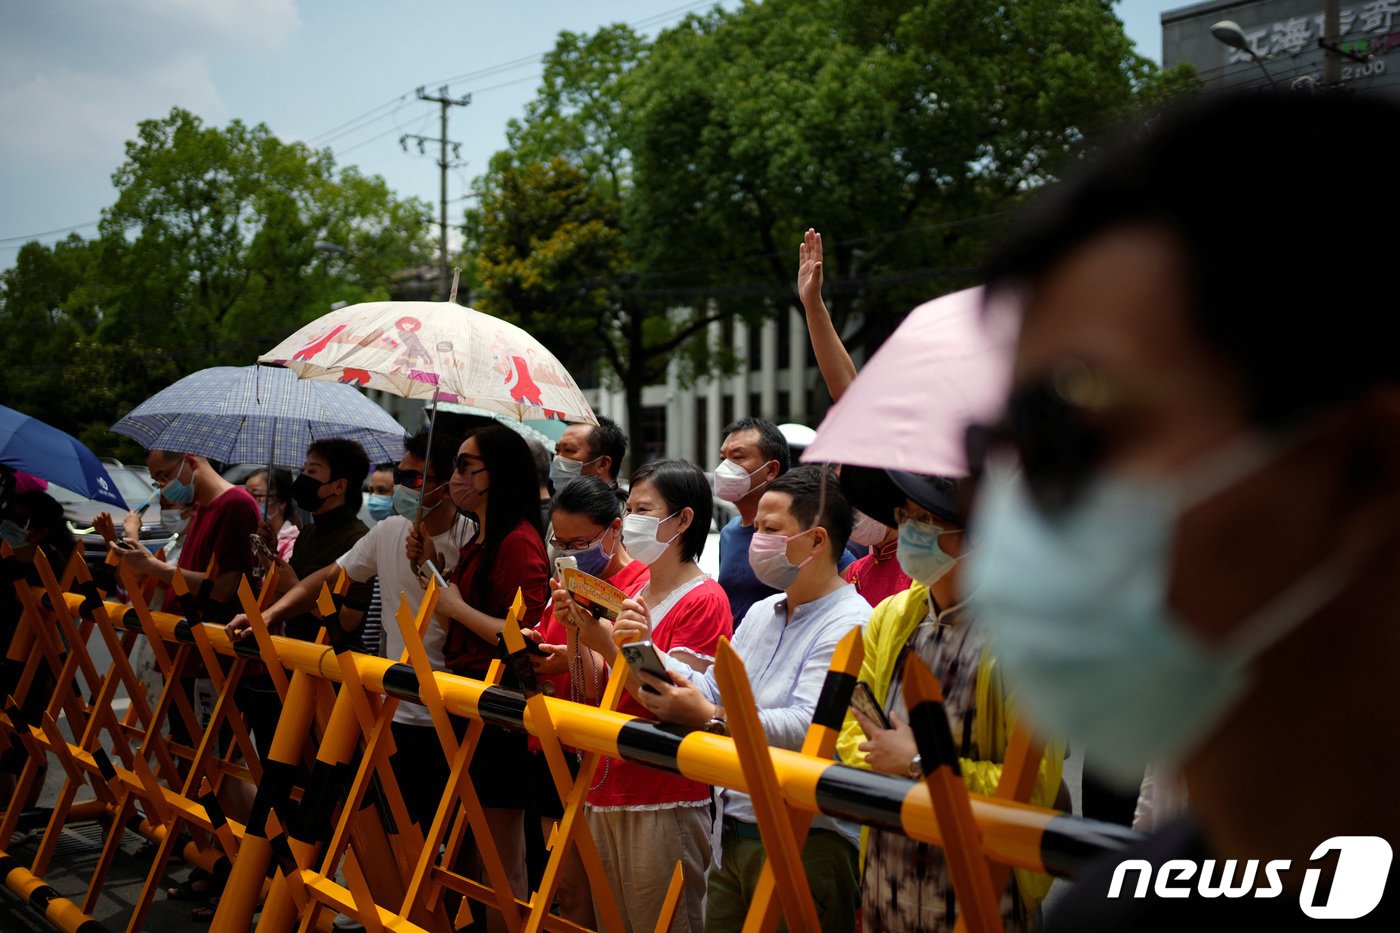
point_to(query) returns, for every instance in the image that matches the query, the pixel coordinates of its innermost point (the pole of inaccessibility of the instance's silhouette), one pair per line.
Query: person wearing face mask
(222, 517)
(905, 883)
(494, 481)
(382, 555)
(329, 488)
(588, 450)
(874, 498)
(380, 501)
(786, 643)
(754, 453)
(643, 820)
(587, 526)
(1189, 518)
(273, 494)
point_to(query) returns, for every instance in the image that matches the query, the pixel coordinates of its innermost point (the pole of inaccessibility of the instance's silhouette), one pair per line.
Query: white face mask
(173, 520)
(732, 483)
(639, 536)
(563, 471)
(867, 531)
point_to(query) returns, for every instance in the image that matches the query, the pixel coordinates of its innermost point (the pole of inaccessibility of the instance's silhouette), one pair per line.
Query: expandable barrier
(324, 828)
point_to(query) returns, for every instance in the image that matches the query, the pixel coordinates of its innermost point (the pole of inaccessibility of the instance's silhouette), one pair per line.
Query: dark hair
(543, 458)
(347, 460)
(279, 490)
(440, 460)
(514, 494)
(770, 440)
(45, 513)
(607, 440)
(588, 495)
(682, 484)
(1259, 269)
(817, 500)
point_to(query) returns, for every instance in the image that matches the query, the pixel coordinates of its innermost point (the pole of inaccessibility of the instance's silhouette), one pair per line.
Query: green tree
(902, 131)
(208, 256)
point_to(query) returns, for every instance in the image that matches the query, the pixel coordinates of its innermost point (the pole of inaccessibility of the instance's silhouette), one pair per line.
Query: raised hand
(809, 270)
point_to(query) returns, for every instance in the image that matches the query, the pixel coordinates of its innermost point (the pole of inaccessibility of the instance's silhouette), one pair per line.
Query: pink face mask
(768, 558)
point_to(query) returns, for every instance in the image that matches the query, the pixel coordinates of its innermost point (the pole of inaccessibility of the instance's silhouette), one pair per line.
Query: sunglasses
(1054, 427)
(409, 479)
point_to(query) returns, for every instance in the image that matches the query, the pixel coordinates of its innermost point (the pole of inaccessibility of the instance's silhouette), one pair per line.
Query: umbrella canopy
(435, 350)
(30, 445)
(947, 366)
(259, 414)
(527, 431)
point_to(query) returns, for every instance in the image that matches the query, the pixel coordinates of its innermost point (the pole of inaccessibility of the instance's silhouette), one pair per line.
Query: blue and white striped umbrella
(259, 414)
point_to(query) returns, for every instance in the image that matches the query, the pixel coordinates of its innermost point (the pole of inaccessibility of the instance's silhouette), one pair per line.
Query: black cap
(938, 494)
(871, 490)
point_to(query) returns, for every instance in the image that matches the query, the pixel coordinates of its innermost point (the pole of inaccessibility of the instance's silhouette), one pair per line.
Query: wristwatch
(717, 725)
(916, 767)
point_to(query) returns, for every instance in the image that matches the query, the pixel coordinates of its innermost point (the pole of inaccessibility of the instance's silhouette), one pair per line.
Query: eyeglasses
(1055, 427)
(576, 544)
(409, 479)
(463, 464)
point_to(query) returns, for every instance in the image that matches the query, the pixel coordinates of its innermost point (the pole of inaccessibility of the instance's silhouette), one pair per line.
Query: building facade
(1285, 35)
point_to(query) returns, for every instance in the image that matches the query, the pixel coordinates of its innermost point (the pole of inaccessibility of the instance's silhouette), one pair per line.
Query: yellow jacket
(891, 625)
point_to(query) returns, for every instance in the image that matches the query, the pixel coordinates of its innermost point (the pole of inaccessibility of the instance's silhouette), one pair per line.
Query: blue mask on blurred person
(177, 492)
(919, 553)
(13, 535)
(1077, 608)
(380, 506)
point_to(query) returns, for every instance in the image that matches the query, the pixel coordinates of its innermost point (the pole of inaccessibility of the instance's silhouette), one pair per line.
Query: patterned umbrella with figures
(435, 350)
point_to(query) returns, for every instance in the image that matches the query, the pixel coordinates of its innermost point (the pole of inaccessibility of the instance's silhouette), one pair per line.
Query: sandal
(196, 887)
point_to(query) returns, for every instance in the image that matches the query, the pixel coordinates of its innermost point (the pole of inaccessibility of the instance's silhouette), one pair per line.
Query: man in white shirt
(419, 764)
(786, 642)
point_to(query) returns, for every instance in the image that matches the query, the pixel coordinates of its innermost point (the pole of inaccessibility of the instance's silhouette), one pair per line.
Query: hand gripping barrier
(325, 805)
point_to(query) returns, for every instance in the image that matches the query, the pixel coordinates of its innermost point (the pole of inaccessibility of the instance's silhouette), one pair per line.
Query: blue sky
(76, 76)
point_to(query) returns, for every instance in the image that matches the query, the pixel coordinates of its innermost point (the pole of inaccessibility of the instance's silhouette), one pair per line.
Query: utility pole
(443, 101)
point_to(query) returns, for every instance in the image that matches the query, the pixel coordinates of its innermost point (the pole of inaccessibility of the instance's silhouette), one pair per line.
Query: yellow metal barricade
(325, 804)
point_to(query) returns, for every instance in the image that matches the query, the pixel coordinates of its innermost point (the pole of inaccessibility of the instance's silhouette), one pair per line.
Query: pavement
(71, 870)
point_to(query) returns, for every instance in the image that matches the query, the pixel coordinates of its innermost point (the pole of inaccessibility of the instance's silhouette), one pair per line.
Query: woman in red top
(494, 480)
(645, 820)
(587, 521)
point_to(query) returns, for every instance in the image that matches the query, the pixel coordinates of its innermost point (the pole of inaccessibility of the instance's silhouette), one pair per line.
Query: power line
(25, 238)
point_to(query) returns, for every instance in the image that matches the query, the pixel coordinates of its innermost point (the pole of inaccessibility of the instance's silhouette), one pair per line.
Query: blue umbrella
(259, 414)
(30, 445)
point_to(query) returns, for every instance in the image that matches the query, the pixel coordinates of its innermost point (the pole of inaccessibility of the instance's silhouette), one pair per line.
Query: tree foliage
(208, 256)
(901, 131)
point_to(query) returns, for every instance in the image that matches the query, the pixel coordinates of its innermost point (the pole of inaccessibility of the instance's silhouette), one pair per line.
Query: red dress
(521, 563)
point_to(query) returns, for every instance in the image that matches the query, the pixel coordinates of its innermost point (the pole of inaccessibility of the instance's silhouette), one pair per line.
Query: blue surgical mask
(379, 506)
(13, 535)
(592, 560)
(1077, 608)
(177, 492)
(919, 553)
(405, 502)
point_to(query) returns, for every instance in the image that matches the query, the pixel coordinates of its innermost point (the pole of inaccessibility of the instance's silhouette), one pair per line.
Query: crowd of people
(1176, 550)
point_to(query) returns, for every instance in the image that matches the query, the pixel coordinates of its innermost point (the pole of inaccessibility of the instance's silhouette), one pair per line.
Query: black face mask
(306, 492)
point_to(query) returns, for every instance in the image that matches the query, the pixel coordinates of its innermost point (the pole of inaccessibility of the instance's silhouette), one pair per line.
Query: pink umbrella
(947, 366)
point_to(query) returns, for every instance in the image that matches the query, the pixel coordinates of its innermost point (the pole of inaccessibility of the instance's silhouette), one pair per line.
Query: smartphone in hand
(642, 656)
(863, 699)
